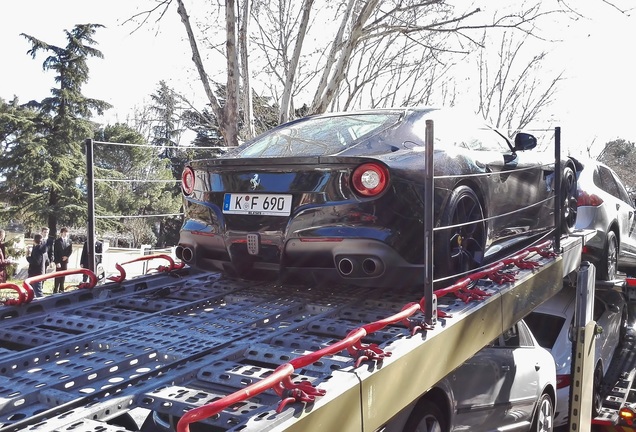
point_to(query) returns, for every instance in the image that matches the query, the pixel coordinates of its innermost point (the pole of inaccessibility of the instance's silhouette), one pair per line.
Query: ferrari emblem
(255, 182)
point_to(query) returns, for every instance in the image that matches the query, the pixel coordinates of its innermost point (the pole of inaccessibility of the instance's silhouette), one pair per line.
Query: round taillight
(370, 179)
(187, 180)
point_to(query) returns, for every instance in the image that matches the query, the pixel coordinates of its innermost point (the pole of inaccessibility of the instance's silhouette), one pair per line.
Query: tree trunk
(228, 115)
(331, 59)
(231, 114)
(293, 64)
(52, 217)
(248, 112)
(323, 100)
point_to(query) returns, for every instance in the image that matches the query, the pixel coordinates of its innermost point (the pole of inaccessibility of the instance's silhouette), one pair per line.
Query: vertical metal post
(583, 350)
(431, 306)
(90, 191)
(558, 198)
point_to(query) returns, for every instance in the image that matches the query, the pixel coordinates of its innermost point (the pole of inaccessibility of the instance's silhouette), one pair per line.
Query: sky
(595, 102)
(134, 61)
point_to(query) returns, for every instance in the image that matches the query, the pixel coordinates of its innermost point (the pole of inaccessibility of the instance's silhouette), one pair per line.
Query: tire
(569, 207)
(461, 248)
(609, 259)
(543, 420)
(426, 417)
(597, 399)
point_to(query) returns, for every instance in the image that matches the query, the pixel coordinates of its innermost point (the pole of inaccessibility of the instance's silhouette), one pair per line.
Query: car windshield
(319, 136)
(545, 327)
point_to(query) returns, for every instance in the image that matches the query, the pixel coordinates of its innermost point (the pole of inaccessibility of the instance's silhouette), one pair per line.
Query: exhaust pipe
(187, 254)
(372, 266)
(178, 252)
(345, 266)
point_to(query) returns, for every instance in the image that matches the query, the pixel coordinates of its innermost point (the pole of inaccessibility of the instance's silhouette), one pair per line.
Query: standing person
(37, 262)
(4, 261)
(48, 241)
(62, 249)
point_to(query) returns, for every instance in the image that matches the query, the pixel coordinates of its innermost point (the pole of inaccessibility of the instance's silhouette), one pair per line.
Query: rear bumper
(361, 262)
(592, 218)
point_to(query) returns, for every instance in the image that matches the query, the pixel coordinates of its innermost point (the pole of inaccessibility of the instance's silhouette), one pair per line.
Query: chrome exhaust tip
(345, 266)
(187, 255)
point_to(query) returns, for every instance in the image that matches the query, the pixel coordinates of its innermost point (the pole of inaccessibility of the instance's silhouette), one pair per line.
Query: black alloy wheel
(543, 420)
(569, 193)
(463, 243)
(609, 260)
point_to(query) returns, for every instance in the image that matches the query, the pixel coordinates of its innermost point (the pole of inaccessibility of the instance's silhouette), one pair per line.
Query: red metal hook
(40, 278)
(292, 393)
(23, 294)
(122, 273)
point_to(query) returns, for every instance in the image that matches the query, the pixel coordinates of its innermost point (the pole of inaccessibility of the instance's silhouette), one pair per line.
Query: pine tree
(23, 141)
(46, 183)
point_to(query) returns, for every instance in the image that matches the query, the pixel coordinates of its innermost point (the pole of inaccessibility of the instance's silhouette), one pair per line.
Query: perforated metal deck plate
(76, 360)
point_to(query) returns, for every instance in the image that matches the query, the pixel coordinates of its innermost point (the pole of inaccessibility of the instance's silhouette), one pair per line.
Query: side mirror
(525, 141)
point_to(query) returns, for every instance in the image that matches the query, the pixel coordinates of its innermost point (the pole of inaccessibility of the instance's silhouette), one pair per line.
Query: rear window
(545, 328)
(608, 184)
(320, 136)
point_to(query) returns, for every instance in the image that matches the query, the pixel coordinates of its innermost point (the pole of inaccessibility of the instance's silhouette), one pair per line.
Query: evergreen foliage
(43, 162)
(142, 183)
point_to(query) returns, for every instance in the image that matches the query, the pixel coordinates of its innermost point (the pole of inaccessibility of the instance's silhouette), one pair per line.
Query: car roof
(561, 304)
(591, 165)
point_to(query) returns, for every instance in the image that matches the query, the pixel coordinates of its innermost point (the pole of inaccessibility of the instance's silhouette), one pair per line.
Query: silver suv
(605, 206)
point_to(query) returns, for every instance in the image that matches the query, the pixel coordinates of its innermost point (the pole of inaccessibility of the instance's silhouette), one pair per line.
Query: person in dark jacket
(62, 249)
(49, 241)
(38, 261)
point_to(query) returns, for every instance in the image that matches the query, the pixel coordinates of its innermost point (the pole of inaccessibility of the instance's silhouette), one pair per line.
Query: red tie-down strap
(290, 392)
(280, 380)
(23, 294)
(167, 269)
(500, 273)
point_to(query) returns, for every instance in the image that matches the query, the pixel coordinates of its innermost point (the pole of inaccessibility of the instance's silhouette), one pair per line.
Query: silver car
(551, 323)
(508, 385)
(605, 206)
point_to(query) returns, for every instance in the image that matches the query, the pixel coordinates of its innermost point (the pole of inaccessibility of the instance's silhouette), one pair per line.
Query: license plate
(257, 204)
